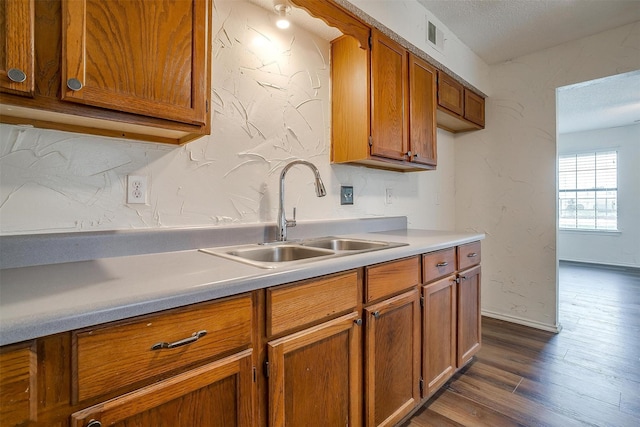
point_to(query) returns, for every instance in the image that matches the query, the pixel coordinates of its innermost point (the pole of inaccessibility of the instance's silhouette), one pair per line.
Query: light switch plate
(346, 195)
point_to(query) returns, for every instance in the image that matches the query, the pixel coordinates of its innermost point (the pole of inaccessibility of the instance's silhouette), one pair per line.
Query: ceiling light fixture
(282, 10)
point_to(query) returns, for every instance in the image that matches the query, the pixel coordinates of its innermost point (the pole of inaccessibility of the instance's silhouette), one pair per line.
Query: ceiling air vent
(435, 36)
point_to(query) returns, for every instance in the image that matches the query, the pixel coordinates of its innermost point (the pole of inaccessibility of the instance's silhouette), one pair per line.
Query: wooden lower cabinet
(315, 375)
(438, 333)
(469, 315)
(392, 359)
(18, 385)
(218, 394)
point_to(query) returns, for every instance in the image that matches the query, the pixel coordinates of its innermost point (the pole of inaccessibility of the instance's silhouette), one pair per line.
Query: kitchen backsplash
(270, 101)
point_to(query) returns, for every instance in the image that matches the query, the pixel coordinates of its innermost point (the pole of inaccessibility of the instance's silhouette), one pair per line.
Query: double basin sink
(272, 255)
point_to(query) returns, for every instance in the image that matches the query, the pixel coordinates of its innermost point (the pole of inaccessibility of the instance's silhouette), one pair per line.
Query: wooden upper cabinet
(450, 94)
(459, 109)
(389, 98)
(383, 106)
(137, 56)
(16, 46)
(422, 111)
(135, 69)
(473, 108)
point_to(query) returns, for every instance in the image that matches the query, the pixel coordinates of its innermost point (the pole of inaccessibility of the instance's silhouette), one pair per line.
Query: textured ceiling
(499, 30)
(603, 103)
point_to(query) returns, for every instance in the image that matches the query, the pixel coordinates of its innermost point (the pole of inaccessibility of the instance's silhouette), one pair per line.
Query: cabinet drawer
(108, 358)
(468, 255)
(303, 303)
(392, 277)
(438, 264)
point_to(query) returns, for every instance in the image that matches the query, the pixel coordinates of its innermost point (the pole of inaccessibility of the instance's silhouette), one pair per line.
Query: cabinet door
(389, 73)
(219, 394)
(422, 111)
(315, 376)
(143, 57)
(18, 378)
(450, 94)
(392, 359)
(439, 333)
(469, 315)
(16, 46)
(473, 108)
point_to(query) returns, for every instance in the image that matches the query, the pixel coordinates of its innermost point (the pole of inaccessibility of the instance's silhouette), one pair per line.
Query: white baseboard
(525, 322)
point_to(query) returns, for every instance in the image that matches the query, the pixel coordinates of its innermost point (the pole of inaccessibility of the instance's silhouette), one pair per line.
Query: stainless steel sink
(280, 253)
(272, 255)
(343, 244)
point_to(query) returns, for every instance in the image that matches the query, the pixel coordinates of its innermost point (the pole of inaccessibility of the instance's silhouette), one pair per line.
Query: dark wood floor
(587, 375)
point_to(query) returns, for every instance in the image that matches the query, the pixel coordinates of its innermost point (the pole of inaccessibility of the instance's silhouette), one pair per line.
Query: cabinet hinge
(206, 105)
(255, 374)
(421, 301)
(370, 41)
(266, 368)
(421, 385)
(370, 141)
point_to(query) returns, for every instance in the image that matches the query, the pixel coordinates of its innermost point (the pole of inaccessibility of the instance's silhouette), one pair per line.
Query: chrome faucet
(283, 222)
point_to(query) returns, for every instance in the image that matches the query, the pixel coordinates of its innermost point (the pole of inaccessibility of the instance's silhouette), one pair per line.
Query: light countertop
(46, 299)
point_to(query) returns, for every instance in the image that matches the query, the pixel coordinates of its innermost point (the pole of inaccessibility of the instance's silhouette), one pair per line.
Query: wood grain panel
(422, 111)
(438, 264)
(392, 359)
(474, 108)
(438, 334)
(390, 278)
(18, 384)
(214, 395)
(469, 315)
(335, 16)
(298, 304)
(389, 98)
(350, 101)
(450, 94)
(110, 357)
(17, 45)
(140, 57)
(469, 255)
(315, 375)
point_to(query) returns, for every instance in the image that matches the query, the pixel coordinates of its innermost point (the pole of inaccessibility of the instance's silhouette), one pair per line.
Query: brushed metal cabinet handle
(193, 338)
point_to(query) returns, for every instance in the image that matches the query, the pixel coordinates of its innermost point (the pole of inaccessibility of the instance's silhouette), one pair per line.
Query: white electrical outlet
(388, 196)
(136, 189)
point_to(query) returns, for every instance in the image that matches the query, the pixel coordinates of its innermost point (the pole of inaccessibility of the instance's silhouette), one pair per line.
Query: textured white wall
(622, 248)
(271, 104)
(506, 174)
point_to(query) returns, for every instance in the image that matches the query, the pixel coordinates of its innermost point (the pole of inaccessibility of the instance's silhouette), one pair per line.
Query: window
(588, 191)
